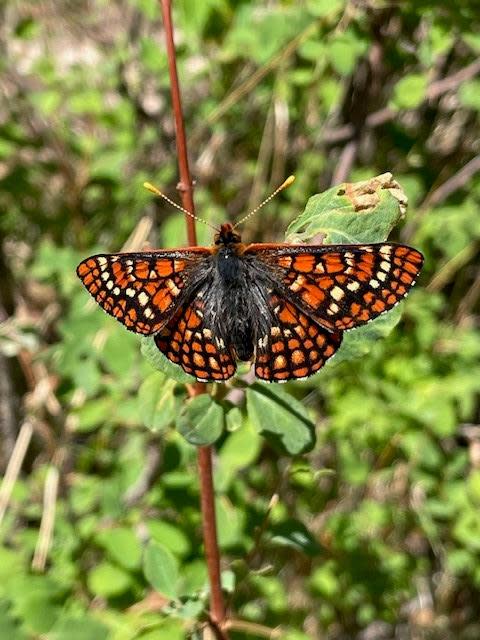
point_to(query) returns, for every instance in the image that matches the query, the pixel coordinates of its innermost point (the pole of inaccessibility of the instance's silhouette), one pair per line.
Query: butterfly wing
(294, 346)
(141, 290)
(342, 286)
(189, 341)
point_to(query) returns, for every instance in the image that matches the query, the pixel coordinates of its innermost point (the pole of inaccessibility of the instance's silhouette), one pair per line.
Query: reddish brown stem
(207, 498)
(185, 185)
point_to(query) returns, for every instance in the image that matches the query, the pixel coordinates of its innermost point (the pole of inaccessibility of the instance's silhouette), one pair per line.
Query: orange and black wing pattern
(141, 290)
(342, 286)
(191, 342)
(293, 346)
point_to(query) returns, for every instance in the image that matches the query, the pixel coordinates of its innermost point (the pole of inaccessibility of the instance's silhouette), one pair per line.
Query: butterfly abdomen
(232, 282)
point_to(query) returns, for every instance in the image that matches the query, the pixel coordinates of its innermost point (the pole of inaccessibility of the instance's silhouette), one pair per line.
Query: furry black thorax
(234, 289)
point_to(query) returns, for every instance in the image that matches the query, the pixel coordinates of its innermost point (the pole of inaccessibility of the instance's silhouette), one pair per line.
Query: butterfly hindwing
(140, 290)
(188, 341)
(293, 346)
(342, 286)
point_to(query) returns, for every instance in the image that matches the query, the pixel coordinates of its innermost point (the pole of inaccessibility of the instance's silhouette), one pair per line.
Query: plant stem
(207, 498)
(185, 185)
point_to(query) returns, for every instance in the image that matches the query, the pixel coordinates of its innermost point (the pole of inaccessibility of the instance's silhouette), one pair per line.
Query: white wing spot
(275, 331)
(173, 287)
(130, 293)
(385, 265)
(105, 275)
(353, 286)
(374, 283)
(109, 284)
(337, 293)
(262, 343)
(143, 298)
(297, 283)
(381, 275)
(102, 261)
(148, 312)
(332, 309)
(116, 291)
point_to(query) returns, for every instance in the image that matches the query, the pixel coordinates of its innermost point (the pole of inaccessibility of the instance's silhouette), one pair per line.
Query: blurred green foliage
(374, 532)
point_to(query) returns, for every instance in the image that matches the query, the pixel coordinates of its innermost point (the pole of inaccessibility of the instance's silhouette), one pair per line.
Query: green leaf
(351, 213)
(409, 92)
(344, 50)
(230, 523)
(325, 8)
(469, 94)
(170, 536)
(107, 580)
(78, 628)
(201, 420)
(281, 418)
(122, 546)
(193, 579)
(160, 362)
(157, 401)
(161, 569)
(93, 414)
(294, 534)
(240, 450)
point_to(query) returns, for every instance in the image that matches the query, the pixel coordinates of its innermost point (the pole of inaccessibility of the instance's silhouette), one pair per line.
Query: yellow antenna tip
(290, 180)
(153, 189)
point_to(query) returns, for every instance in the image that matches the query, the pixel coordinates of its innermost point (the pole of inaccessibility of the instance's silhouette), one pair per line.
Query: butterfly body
(284, 306)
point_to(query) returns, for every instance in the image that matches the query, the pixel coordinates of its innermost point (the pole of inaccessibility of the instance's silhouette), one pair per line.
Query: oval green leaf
(280, 418)
(201, 420)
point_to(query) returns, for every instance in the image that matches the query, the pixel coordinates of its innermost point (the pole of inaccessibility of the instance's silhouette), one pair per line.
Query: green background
(374, 533)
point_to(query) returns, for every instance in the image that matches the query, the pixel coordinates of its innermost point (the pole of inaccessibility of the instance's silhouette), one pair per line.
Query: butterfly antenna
(160, 194)
(283, 186)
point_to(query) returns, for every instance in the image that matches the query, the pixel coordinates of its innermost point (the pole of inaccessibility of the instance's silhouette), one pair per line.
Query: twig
(377, 118)
(217, 606)
(254, 629)
(48, 520)
(345, 162)
(445, 274)
(454, 183)
(14, 465)
(136, 492)
(468, 300)
(450, 83)
(441, 193)
(185, 185)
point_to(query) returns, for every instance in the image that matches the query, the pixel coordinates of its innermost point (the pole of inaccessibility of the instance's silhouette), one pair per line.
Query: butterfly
(284, 306)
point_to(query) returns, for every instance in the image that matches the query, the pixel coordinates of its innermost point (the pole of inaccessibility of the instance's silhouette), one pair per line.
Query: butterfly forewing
(140, 290)
(342, 286)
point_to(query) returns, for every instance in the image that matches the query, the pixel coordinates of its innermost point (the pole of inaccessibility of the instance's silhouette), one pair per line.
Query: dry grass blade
(14, 465)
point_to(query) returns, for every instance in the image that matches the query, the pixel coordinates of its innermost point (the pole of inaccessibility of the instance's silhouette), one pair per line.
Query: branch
(377, 118)
(185, 186)
(456, 182)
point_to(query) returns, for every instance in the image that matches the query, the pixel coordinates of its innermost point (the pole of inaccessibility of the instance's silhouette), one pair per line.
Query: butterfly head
(227, 235)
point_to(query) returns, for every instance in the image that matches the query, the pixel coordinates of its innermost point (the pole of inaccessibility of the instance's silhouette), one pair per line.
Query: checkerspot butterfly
(284, 306)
